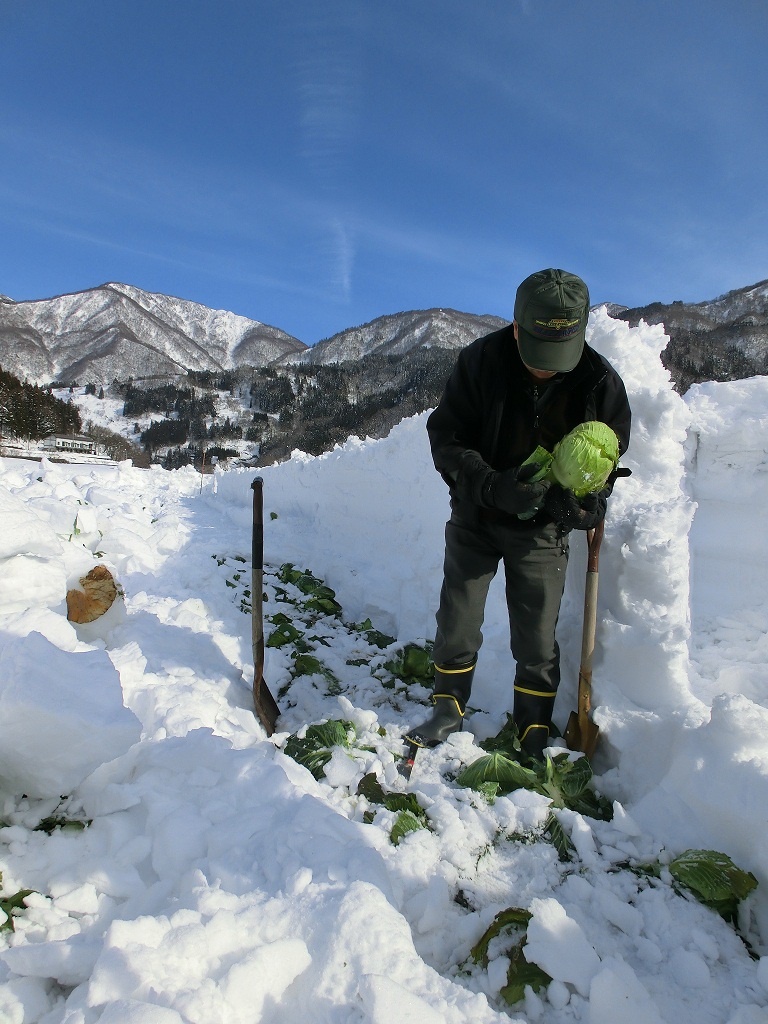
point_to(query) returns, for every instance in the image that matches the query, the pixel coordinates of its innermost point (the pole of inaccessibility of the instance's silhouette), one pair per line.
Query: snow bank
(715, 787)
(366, 517)
(30, 569)
(642, 689)
(61, 715)
(727, 473)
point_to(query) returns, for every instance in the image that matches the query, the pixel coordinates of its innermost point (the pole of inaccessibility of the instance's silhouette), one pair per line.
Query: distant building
(70, 443)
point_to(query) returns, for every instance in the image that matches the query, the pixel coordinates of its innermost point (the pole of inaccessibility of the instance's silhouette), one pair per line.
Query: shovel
(264, 702)
(581, 732)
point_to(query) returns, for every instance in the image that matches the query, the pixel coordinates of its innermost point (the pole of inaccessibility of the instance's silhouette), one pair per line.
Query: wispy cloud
(95, 189)
(214, 220)
(343, 252)
(328, 79)
(76, 180)
(457, 249)
(329, 89)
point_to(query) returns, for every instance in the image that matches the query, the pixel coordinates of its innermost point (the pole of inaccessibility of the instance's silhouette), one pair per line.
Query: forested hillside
(262, 414)
(31, 412)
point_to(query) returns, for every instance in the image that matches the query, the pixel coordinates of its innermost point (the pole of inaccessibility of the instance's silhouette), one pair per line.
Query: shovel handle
(594, 539)
(257, 583)
(264, 702)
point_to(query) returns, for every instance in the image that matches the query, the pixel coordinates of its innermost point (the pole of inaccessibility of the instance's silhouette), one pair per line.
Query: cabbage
(581, 462)
(584, 459)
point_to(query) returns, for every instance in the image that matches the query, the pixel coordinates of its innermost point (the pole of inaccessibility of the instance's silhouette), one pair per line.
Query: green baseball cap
(551, 310)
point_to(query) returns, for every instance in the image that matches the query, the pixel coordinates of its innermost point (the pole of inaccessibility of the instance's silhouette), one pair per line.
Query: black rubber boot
(453, 684)
(532, 715)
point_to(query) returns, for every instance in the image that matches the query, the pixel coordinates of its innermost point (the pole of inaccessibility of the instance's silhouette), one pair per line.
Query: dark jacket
(493, 414)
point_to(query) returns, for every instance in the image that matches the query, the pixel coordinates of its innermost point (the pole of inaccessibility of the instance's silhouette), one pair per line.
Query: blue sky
(315, 164)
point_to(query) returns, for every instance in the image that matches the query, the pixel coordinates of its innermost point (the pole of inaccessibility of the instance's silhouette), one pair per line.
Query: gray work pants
(535, 562)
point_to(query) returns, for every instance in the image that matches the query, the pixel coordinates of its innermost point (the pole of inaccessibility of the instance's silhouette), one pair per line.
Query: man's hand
(511, 490)
(573, 513)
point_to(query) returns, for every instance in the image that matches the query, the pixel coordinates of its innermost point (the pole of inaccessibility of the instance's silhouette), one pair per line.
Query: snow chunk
(31, 574)
(27, 581)
(386, 1002)
(616, 994)
(129, 1011)
(22, 532)
(61, 716)
(22, 1000)
(558, 945)
(67, 961)
(262, 977)
(691, 970)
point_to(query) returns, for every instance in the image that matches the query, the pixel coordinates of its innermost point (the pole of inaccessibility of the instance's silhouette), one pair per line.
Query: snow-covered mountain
(738, 319)
(117, 330)
(397, 333)
(120, 331)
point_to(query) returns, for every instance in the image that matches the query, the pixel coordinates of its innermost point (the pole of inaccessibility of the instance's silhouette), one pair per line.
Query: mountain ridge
(117, 331)
(722, 339)
(394, 334)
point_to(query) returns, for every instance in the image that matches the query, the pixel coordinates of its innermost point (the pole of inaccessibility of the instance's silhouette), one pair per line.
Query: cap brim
(559, 356)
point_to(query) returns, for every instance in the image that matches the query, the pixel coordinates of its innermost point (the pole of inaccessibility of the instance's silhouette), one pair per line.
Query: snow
(217, 881)
(75, 707)
(558, 945)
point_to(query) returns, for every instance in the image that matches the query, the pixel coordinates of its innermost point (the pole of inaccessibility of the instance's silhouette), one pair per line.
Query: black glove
(511, 490)
(573, 513)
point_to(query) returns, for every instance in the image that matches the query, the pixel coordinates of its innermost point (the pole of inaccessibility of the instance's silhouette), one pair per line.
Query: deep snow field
(216, 881)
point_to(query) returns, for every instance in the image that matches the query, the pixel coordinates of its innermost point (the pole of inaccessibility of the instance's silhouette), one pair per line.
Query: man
(528, 384)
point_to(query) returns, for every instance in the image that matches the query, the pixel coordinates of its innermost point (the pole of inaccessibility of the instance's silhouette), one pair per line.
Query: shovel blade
(581, 734)
(265, 705)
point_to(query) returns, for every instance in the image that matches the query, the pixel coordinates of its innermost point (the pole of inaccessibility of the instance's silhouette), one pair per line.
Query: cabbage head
(584, 459)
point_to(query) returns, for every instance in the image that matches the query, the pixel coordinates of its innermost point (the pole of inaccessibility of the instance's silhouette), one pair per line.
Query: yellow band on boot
(455, 671)
(535, 693)
(533, 726)
(448, 696)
